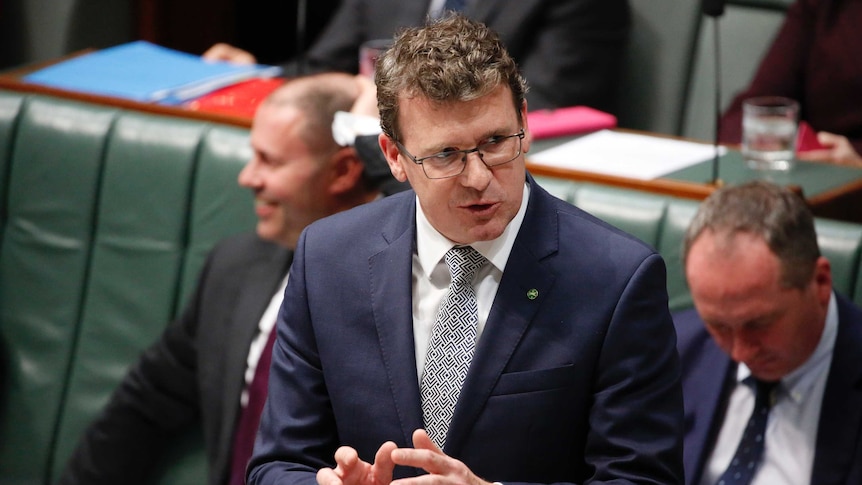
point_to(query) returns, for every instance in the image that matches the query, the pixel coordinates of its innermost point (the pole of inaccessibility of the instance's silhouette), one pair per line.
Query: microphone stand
(301, 9)
(716, 43)
(715, 9)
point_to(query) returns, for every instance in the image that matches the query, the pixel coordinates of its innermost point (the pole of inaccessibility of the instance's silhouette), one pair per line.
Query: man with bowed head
(201, 370)
(772, 379)
(475, 328)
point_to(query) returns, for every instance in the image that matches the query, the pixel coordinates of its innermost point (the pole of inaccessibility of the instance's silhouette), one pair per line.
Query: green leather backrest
(638, 213)
(657, 64)
(841, 243)
(216, 212)
(44, 272)
(137, 256)
(110, 215)
(10, 106)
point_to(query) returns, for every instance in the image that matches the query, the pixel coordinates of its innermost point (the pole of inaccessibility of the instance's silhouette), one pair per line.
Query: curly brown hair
(450, 59)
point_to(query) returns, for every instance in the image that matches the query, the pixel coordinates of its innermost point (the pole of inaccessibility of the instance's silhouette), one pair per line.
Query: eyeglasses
(449, 163)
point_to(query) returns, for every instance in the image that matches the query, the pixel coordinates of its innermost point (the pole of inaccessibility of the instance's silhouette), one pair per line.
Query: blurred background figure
(814, 59)
(569, 51)
(770, 353)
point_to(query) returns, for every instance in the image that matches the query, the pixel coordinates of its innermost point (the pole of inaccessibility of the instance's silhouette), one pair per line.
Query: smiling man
(476, 328)
(767, 319)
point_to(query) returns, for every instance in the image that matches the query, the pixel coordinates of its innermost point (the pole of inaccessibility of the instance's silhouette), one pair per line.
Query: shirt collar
(431, 246)
(796, 385)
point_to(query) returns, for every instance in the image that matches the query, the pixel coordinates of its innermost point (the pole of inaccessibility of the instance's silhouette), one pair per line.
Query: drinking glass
(769, 126)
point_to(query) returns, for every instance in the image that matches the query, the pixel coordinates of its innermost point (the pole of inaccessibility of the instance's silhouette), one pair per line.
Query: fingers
(383, 464)
(421, 440)
(426, 455)
(327, 476)
(229, 53)
(815, 155)
(837, 149)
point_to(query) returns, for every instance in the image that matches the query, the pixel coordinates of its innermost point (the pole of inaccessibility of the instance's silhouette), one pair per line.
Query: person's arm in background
(229, 53)
(785, 71)
(335, 49)
(837, 149)
(570, 52)
(782, 70)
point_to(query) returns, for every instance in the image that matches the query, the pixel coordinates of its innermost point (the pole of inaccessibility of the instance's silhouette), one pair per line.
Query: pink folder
(568, 121)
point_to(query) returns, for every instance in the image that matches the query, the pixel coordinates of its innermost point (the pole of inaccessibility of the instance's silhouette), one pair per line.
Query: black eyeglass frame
(464, 153)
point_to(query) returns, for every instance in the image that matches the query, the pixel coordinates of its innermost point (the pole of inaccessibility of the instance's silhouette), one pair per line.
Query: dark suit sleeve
(337, 46)
(158, 397)
(297, 403)
(570, 51)
(636, 421)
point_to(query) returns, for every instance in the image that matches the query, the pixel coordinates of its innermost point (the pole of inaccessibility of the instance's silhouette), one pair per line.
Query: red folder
(806, 139)
(568, 121)
(240, 99)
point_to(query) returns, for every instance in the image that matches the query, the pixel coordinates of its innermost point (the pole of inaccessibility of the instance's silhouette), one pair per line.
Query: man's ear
(346, 170)
(390, 151)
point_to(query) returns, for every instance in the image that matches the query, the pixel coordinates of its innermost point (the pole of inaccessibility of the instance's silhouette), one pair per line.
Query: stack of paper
(628, 155)
(145, 72)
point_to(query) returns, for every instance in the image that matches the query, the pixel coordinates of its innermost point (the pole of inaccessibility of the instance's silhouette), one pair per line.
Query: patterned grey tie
(453, 340)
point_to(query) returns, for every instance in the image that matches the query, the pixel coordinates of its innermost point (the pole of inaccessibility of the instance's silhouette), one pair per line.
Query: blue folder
(146, 72)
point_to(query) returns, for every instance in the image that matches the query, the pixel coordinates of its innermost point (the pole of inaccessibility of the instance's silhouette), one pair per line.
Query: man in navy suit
(574, 376)
(765, 308)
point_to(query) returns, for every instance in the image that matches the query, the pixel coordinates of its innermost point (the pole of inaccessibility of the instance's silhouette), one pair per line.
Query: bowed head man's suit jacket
(570, 51)
(579, 384)
(192, 374)
(709, 376)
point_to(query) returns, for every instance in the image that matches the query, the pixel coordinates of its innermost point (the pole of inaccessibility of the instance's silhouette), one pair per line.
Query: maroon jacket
(816, 60)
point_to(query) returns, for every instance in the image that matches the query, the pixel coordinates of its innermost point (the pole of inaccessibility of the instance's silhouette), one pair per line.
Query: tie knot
(764, 392)
(463, 261)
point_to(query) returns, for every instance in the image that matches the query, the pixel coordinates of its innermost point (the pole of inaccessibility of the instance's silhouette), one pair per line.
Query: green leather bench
(105, 218)
(661, 221)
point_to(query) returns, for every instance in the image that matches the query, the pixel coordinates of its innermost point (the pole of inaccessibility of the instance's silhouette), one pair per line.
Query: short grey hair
(776, 214)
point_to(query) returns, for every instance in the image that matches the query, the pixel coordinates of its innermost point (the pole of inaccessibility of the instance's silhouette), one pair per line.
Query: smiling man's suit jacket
(193, 374)
(580, 383)
(709, 377)
(570, 51)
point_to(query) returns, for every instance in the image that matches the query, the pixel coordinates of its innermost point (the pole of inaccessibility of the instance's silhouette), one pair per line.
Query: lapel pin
(532, 293)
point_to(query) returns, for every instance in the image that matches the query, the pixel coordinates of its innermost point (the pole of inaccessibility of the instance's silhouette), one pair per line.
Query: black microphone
(715, 9)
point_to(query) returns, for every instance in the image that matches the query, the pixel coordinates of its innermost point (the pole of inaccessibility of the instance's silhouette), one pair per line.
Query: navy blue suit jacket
(709, 375)
(580, 384)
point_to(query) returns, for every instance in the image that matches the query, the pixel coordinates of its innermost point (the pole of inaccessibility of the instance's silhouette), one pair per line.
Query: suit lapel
(260, 283)
(705, 415)
(527, 271)
(841, 413)
(390, 268)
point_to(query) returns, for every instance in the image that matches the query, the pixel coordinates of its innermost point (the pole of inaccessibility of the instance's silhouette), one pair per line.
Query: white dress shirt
(265, 326)
(431, 276)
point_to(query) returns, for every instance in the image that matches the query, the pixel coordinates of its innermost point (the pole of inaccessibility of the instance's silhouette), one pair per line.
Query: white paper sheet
(629, 155)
